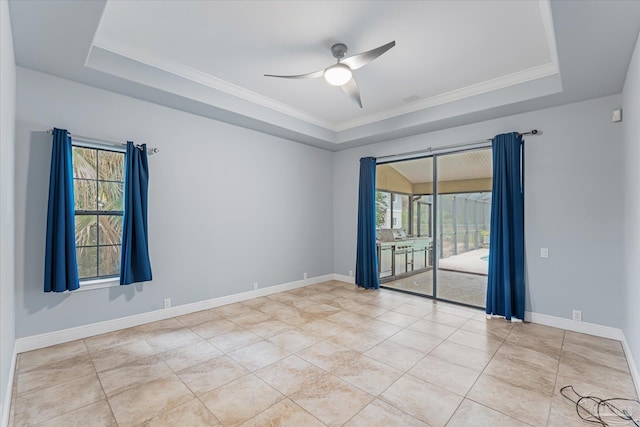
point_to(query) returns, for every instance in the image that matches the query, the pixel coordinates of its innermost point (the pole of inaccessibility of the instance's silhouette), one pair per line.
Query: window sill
(90, 285)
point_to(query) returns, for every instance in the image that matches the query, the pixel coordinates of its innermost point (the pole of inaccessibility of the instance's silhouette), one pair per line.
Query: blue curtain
(60, 262)
(505, 288)
(135, 265)
(366, 257)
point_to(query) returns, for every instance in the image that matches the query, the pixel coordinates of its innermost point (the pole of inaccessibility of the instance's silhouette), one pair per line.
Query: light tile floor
(328, 354)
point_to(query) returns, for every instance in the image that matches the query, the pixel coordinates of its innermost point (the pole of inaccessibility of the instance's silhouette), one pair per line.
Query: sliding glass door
(405, 225)
(433, 225)
(464, 204)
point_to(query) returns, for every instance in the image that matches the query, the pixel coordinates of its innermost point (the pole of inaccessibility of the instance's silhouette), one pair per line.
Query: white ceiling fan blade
(313, 75)
(352, 91)
(356, 61)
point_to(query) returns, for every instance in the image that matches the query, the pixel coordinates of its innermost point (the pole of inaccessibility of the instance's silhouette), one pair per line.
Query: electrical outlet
(167, 303)
(304, 276)
(544, 252)
(350, 273)
(577, 315)
(255, 285)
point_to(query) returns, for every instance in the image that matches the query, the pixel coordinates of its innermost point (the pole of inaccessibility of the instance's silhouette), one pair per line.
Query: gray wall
(631, 295)
(573, 200)
(227, 206)
(7, 143)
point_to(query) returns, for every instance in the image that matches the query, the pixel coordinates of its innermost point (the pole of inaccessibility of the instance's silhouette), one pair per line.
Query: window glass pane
(110, 165)
(86, 230)
(110, 229)
(109, 260)
(84, 163)
(404, 200)
(110, 196)
(414, 216)
(383, 211)
(426, 205)
(420, 225)
(87, 262)
(84, 194)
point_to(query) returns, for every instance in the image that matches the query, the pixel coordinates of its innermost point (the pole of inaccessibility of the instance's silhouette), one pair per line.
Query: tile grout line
(17, 373)
(362, 354)
(159, 355)
(181, 380)
(555, 383)
(476, 380)
(286, 397)
(478, 377)
(413, 376)
(482, 373)
(100, 381)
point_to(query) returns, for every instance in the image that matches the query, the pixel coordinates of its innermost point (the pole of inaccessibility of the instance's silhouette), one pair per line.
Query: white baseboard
(573, 325)
(635, 374)
(343, 278)
(35, 342)
(6, 411)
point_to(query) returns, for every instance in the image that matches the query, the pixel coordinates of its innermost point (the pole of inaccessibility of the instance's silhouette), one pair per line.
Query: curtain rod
(151, 151)
(464, 144)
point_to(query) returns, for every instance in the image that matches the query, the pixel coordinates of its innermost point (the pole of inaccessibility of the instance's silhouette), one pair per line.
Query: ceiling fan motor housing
(339, 50)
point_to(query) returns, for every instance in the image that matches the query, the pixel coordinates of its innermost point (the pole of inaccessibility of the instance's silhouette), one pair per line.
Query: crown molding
(205, 79)
(498, 83)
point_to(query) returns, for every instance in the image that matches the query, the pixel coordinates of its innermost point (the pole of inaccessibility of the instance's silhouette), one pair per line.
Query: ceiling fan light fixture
(337, 74)
(341, 74)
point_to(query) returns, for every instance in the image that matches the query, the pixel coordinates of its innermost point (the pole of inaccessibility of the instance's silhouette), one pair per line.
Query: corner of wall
(7, 216)
(631, 209)
(633, 367)
(5, 410)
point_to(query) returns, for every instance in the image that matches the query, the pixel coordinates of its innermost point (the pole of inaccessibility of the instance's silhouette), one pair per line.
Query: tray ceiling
(454, 62)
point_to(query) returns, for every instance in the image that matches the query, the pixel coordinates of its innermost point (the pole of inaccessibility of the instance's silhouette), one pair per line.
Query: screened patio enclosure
(433, 219)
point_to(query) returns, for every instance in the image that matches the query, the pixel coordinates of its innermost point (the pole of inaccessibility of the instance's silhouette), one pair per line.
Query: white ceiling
(454, 62)
(238, 42)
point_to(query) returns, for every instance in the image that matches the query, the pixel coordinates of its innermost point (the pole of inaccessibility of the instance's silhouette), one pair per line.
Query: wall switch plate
(304, 275)
(255, 285)
(577, 315)
(544, 252)
(616, 115)
(167, 303)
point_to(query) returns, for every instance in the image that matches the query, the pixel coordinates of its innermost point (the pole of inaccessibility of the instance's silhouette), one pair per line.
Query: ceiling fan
(341, 73)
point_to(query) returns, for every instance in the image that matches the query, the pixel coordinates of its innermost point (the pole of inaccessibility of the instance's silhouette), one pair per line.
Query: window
(393, 210)
(98, 181)
(383, 209)
(404, 214)
(421, 211)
